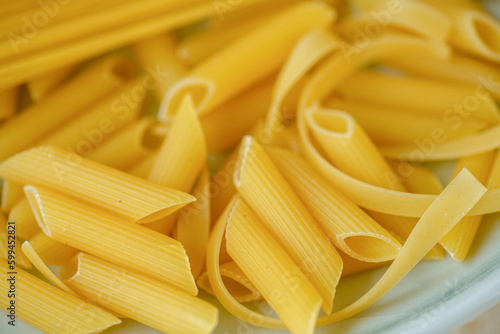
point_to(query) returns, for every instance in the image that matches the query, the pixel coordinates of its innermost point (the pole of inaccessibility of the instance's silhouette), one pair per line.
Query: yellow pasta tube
(91, 128)
(457, 68)
(473, 30)
(131, 245)
(227, 124)
(273, 272)
(8, 102)
(10, 246)
(443, 100)
(157, 55)
(118, 289)
(458, 240)
(434, 149)
(350, 59)
(214, 81)
(413, 16)
(18, 70)
(236, 282)
(50, 309)
(183, 152)
(345, 224)
(193, 224)
(129, 145)
(388, 125)
(259, 182)
(349, 148)
(12, 193)
(51, 251)
(456, 200)
(44, 84)
(22, 215)
(129, 197)
(96, 81)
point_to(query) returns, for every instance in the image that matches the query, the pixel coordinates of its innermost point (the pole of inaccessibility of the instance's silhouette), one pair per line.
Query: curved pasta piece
(218, 78)
(377, 198)
(265, 262)
(260, 184)
(131, 245)
(130, 197)
(236, 282)
(350, 59)
(308, 51)
(168, 309)
(346, 225)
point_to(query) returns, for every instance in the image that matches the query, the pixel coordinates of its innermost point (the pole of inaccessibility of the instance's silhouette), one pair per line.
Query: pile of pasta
(257, 150)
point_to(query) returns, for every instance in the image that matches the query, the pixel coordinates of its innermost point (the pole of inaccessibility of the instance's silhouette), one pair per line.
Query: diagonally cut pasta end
(334, 123)
(369, 247)
(200, 89)
(242, 158)
(487, 32)
(35, 202)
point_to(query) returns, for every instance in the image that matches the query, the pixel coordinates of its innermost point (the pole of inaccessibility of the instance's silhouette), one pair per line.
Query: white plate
(436, 297)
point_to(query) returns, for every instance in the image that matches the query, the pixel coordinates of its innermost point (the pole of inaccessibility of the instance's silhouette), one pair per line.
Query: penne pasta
(22, 215)
(129, 145)
(90, 129)
(143, 167)
(474, 31)
(131, 198)
(214, 82)
(130, 245)
(180, 158)
(345, 224)
(44, 84)
(236, 282)
(284, 214)
(273, 272)
(49, 309)
(417, 179)
(353, 266)
(157, 55)
(422, 96)
(23, 130)
(458, 240)
(169, 310)
(388, 125)
(51, 251)
(193, 224)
